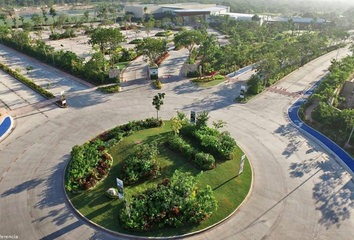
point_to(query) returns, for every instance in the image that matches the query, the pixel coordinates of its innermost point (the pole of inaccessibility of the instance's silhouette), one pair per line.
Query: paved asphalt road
(299, 191)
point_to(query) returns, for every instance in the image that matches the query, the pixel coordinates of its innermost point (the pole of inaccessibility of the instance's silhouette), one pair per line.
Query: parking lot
(47, 77)
(14, 94)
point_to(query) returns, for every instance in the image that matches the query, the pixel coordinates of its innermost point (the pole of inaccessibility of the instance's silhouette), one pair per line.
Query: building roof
(295, 19)
(202, 10)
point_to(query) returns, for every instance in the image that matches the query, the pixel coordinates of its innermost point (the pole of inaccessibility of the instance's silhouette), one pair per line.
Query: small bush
(154, 76)
(204, 161)
(164, 34)
(110, 89)
(142, 165)
(136, 41)
(69, 33)
(158, 84)
(193, 74)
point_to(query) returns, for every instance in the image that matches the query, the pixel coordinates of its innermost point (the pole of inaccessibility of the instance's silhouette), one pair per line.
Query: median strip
(26, 81)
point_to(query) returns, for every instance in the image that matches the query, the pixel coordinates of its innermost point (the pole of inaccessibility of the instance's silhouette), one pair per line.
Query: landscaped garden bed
(158, 201)
(209, 81)
(110, 89)
(164, 34)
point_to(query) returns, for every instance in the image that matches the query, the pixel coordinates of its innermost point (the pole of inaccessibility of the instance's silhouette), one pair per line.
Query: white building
(186, 10)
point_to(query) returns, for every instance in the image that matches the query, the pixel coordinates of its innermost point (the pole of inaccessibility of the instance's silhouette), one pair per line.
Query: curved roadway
(299, 191)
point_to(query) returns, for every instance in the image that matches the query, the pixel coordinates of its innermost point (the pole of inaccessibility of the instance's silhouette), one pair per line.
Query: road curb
(9, 129)
(343, 163)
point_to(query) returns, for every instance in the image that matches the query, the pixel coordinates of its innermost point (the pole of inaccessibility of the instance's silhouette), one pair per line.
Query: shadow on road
(28, 185)
(295, 142)
(221, 97)
(334, 196)
(53, 196)
(86, 98)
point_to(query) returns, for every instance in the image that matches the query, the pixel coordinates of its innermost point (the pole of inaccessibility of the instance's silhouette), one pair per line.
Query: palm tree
(145, 9)
(22, 19)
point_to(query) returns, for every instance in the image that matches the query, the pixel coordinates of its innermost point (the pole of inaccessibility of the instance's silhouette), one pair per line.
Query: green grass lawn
(122, 65)
(204, 83)
(229, 190)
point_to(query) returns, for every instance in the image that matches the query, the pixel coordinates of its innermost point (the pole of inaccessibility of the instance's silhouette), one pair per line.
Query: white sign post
(242, 163)
(120, 188)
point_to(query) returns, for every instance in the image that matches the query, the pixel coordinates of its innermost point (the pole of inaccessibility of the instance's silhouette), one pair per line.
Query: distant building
(189, 11)
(185, 10)
(245, 17)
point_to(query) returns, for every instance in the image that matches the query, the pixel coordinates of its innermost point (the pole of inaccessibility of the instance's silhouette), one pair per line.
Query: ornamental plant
(172, 203)
(142, 165)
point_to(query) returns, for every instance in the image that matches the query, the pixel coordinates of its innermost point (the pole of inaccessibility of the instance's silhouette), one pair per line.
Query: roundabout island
(171, 186)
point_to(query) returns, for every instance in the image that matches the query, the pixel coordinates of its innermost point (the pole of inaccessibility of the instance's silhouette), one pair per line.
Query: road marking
(16, 159)
(8, 169)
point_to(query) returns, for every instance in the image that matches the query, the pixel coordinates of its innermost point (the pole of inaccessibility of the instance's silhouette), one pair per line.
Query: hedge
(202, 160)
(26, 81)
(110, 89)
(221, 145)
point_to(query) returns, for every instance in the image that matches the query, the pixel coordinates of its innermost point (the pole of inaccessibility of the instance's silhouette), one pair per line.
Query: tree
(255, 85)
(36, 19)
(152, 48)
(148, 26)
(44, 15)
(178, 20)
(188, 39)
(53, 13)
(267, 67)
(22, 38)
(202, 119)
(22, 19)
(158, 102)
(158, 24)
(4, 31)
(176, 124)
(145, 9)
(106, 38)
(3, 18)
(86, 15)
(256, 18)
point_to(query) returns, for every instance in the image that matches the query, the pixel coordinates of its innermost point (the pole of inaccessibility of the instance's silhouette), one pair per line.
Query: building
(245, 17)
(185, 10)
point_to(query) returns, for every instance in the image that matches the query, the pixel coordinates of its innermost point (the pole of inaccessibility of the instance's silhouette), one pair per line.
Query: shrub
(193, 74)
(69, 33)
(179, 145)
(212, 141)
(164, 34)
(128, 55)
(110, 89)
(158, 84)
(142, 165)
(89, 163)
(154, 76)
(136, 41)
(255, 85)
(204, 159)
(172, 203)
